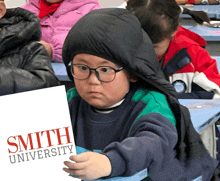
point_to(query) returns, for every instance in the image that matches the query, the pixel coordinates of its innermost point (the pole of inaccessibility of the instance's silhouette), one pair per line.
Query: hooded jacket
(116, 35)
(55, 27)
(190, 68)
(24, 63)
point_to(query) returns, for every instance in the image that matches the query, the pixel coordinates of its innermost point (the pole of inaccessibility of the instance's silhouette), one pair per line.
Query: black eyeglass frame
(96, 72)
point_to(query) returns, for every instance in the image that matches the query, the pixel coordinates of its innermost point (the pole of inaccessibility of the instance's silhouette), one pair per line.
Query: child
(187, 65)
(24, 63)
(123, 126)
(56, 19)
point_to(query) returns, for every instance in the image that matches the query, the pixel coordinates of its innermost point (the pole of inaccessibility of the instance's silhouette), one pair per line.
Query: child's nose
(93, 78)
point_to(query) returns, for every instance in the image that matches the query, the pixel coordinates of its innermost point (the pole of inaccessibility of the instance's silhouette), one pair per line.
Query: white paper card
(36, 135)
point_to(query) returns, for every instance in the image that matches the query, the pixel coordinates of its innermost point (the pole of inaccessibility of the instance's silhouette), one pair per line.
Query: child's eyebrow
(100, 64)
(106, 62)
(81, 60)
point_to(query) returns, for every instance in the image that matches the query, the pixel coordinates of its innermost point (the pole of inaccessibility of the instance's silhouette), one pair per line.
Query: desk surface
(217, 58)
(213, 11)
(208, 33)
(203, 112)
(60, 71)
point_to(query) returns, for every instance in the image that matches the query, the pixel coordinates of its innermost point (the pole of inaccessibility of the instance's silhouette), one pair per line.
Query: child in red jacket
(186, 63)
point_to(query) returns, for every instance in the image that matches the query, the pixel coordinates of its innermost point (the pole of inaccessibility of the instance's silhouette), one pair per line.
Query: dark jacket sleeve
(29, 71)
(150, 145)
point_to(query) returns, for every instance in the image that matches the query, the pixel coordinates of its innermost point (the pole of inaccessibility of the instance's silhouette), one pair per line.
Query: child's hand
(88, 166)
(48, 47)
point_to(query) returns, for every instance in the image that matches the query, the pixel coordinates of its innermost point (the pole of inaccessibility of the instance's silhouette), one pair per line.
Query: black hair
(160, 18)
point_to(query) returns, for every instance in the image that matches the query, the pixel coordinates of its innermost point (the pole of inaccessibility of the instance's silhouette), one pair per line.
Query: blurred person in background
(56, 19)
(185, 62)
(24, 62)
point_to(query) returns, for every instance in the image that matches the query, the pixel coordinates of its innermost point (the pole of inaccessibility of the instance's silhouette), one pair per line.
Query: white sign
(36, 135)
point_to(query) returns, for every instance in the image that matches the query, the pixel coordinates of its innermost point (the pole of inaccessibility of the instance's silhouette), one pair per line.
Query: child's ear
(132, 79)
(173, 34)
(2, 9)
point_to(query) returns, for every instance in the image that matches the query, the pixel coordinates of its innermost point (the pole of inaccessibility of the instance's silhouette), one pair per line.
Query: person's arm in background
(35, 9)
(35, 71)
(48, 47)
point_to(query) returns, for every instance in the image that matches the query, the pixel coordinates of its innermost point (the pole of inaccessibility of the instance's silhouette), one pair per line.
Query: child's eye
(105, 69)
(82, 67)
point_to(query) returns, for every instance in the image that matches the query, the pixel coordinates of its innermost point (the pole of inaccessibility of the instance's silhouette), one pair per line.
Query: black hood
(18, 27)
(116, 35)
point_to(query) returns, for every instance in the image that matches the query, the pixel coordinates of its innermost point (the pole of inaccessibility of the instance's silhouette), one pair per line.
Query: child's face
(97, 93)
(53, 1)
(161, 47)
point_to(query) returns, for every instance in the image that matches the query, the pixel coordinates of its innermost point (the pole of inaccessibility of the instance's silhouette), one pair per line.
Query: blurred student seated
(24, 62)
(56, 19)
(185, 62)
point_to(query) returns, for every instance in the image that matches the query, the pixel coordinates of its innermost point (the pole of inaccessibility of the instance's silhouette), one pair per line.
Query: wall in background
(103, 3)
(110, 3)
(14, 3)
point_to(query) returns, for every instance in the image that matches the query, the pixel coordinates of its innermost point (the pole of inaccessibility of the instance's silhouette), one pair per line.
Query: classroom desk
(213, 11)
(203, 112)
(204, 115)
(217, 58)
(60, 71)
(208, 33)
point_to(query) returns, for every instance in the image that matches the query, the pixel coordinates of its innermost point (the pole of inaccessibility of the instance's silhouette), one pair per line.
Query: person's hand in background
(48, 47)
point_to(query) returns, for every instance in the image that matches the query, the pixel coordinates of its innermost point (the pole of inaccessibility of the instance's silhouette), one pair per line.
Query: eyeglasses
(103, 73)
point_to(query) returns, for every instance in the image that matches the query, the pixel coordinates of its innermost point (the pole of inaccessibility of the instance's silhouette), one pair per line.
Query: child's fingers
(75, 166)
(80, 157)
(70, 172)
(67, 170)
(75, 173)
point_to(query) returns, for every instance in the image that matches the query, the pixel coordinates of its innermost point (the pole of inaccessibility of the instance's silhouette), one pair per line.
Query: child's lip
(93, 92)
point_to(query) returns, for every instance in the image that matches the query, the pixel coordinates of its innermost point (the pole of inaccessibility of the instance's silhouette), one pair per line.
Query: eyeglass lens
(103, 73)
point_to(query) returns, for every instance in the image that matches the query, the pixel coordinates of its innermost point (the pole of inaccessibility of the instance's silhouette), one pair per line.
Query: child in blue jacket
(124, 125)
